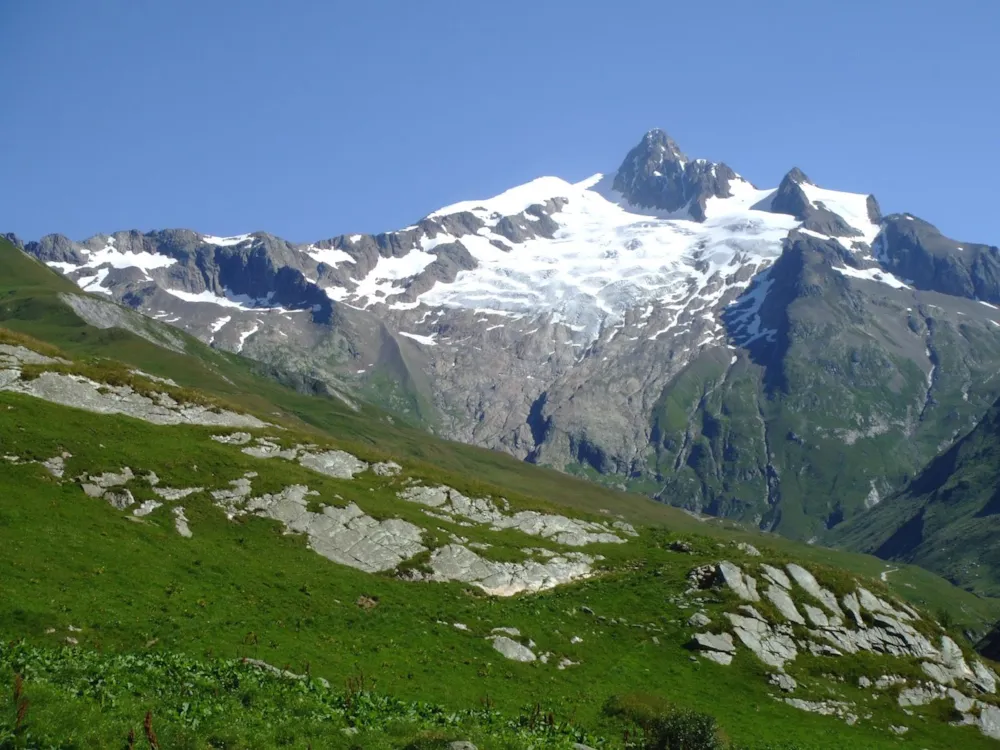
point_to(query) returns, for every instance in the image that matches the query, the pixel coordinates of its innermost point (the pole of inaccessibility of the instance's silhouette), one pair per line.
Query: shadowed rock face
(914, 249)
(656, 174)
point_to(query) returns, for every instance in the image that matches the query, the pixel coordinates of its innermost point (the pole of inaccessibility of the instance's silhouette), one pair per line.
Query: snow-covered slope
(579, 254)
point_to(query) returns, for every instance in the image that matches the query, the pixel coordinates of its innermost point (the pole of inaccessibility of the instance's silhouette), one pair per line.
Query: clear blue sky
(311, 119)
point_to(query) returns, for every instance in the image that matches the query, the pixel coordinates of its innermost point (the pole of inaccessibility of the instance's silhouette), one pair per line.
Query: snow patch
(247, 334)
(210, 239)
(851, 207)
(872, 274)
(220, 323)
(426, 340)
(331, 256)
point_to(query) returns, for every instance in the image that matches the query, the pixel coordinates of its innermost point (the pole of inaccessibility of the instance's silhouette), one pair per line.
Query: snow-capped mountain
(654, 326)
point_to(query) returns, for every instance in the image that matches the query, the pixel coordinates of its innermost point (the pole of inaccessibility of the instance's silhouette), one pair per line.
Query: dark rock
(657, 174)
(791, 199)
(916, 251)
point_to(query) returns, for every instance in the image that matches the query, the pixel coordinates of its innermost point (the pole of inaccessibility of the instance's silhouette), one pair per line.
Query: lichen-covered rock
(571, 532)
(56, 466)
(111, 479)
(120, 499)
(783, 682)
(840, 709)
(699, 620)
(719, 657)
(344, 535)
(988, 720)
(386, 469)
(234, 438)
(783, 603)
(807, 581)
(873, 604)
(713, 642)
(949, 666)
(266, 448)
(102, 398)
(337, 464)
(887, 636)
(181, 523)
(146, 508)
(456, 562)
(984, 678)
(852, 605)
(776, 576)
(768, 644)
(742, 584)
(172, 494)
(512, 649)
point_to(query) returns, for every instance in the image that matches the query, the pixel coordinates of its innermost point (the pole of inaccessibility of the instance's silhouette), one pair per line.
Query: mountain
(195, 554)
(948, 518)
(785, 357)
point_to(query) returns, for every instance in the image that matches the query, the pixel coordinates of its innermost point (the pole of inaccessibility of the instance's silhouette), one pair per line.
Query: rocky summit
(668, 328)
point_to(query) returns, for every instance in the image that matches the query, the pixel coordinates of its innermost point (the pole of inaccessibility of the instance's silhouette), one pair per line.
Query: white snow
(872, 274)
(355, 237)
(331, 255)
(512, 201)
(64, 268)
(378, 284)
(110, 256)
(744, 320)
(744, 196)
(992, 307)
(247, 334)
(206, 296)
(118, 259)
(605, 259)
(225, 241)
(426, 340)
(220, 323)
(429, 243)
(851, 207)
(237, 301)
(93, 283)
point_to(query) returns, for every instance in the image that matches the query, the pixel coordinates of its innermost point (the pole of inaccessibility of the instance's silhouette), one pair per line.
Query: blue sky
(312, 119)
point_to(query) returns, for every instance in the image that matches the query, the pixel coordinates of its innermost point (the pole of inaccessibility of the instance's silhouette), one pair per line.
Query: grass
(71, 698)
(246, 590)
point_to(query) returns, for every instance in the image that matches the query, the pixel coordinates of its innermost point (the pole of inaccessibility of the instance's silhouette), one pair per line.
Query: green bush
(684, 730)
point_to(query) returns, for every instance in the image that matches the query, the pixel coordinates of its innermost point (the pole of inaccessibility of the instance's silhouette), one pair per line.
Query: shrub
(665, 727)
(683, 730)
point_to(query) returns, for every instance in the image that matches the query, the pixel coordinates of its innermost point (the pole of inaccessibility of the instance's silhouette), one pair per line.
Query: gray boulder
(784, 604)
(512, 649)
(742, 584)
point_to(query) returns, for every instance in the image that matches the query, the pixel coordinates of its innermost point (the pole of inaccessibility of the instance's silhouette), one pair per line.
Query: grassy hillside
(106, 602)
(948, 518)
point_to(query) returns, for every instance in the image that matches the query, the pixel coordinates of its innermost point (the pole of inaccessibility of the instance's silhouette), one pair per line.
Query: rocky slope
(947, 519)
(783, 356)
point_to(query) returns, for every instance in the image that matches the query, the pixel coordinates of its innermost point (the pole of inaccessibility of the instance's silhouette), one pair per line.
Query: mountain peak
(660, 145)
(657, 174)
(797, 176)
